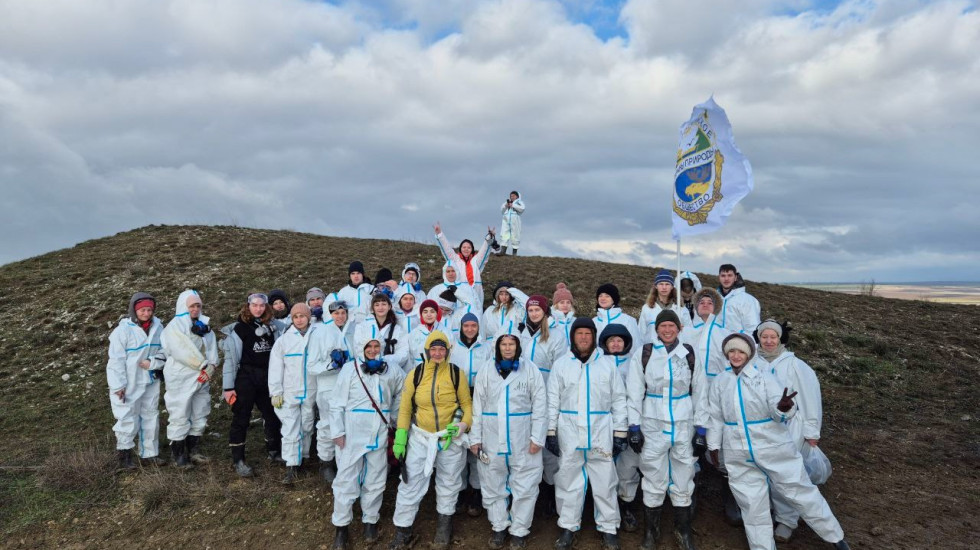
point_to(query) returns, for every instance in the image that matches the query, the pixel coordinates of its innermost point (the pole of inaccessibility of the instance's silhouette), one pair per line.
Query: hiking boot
(609, 541)
(371, 533)
(629, 522)
(651, 533)
(444, 532)
(275, 457)
(342, 539)
(194, 451)
(153, 461)
(497, 539)
(518, 543)
(565, 540)
(178, 449)
(513, 252)
(682, 527)
(125, 459)
(474, 504)
(328, 471)
(292, 472)
(782, 533)
(402, 540)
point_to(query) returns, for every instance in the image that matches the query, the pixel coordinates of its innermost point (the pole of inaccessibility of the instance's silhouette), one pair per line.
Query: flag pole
(678, 271)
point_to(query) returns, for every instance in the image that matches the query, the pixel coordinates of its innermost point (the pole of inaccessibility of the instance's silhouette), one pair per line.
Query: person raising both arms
(469, 264)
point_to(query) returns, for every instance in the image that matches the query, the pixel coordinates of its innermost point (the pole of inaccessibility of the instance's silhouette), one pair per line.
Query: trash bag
(817, 464)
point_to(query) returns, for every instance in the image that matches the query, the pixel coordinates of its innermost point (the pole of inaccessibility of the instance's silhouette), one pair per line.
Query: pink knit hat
(561, 293)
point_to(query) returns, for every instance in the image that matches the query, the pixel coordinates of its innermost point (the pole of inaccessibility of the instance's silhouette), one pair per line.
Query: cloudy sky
(376, 118)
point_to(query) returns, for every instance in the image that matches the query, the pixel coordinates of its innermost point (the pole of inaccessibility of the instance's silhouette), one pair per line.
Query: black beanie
(611, 290)
(667, 315)
(383, 276)
(355, 266)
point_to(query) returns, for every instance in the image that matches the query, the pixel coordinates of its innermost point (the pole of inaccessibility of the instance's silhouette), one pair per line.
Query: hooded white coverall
(793, 373)
(663, 399)
(740, 311)
(470, 360)
(648, 319)
(293, 365)
(564, 321)
(358, 301)
(362, 465)
(615, 315)
(331, 338)
(407, 320)
(369, 329)
(410, 288)
(498, 320)
(508, 415)
(510, 225)
(188, 401)
(138, 413)
(759, 454)
(477, 262)
(544, 354)
(586, 404)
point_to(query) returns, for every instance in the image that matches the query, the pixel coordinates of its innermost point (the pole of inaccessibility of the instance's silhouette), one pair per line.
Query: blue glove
(635, 439)
(337, 358)
(620, 444)
(700, 441)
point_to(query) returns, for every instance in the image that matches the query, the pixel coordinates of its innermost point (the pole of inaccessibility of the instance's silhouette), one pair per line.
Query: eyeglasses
(258, 299)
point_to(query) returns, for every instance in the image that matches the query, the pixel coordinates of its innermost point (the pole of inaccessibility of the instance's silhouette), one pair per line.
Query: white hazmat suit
(188, 401)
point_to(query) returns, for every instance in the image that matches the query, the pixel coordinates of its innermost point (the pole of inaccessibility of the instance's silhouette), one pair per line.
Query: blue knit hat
(469, 317)
(664, 277)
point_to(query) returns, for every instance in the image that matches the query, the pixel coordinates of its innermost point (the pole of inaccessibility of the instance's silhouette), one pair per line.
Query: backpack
(417, 378)
(648, 351)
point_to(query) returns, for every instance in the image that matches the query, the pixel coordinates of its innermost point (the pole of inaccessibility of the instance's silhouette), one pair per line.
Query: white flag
(711, 175)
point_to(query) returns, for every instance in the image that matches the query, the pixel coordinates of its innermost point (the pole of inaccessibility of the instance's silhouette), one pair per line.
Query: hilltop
(898, 380)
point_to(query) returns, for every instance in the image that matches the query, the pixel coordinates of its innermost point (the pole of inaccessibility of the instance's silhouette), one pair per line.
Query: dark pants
(252, 387)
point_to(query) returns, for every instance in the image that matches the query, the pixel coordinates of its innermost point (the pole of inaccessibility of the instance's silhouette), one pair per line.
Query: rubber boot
(193, 443)
(733, 514)
(444, 532)
(474, 504)
(518, 543)
(609, 541)
(497, 539)
(402, 540)
(179, 451)
(682, 527)
(342, 539)
(370, 533)
(841, 545)
(651, 533)
(125, 459)
(513, 252)
(550, 506)
(628, 521)
(238, 460)
(462, 498)
(328, 471)
(273, 449)
(153, 461)
(565, 540)
(292, 472)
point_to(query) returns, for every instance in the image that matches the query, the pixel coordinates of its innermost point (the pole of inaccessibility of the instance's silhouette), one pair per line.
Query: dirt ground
(898, 381)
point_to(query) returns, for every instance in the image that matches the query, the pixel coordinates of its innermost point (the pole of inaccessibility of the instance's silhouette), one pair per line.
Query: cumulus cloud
(860, 120)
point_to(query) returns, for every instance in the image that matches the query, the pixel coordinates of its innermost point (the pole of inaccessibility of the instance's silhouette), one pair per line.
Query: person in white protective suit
(689, 284)
(616, 344)
(337, 335)
(586, 430)
(506, 313)
(664, 385)
(470, 354)
(411, 282)
(543, 343)
(315, 298)
(662, 296)
(608, 312)
(462, 295)
(563, 311)
(748, 410)
(407, 310)
(134, 372)
(804, 428)
(431, 319)
(363, 407)
(383, 324)
(192, 355)
(740, 310)
(510, 225)
(509, 425)
(434, 415)
(356, 293)
(292, 386)
(469, 264)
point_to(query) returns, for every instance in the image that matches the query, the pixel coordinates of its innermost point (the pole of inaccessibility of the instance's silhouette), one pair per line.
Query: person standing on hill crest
(740, 310)
(510, 226)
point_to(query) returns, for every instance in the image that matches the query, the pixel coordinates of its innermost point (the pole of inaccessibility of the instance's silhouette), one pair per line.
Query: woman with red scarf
(468, 265)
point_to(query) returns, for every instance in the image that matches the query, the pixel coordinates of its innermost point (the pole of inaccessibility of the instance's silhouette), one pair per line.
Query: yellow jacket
(434, 401)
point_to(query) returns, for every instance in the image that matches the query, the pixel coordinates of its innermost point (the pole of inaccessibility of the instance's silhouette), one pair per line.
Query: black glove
(620, 444)
(551, 443)
(636, 439)
(157, 374)
(390, 346)
(700, 441)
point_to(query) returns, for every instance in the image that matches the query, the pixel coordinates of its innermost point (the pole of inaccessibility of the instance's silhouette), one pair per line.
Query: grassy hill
(898, 377)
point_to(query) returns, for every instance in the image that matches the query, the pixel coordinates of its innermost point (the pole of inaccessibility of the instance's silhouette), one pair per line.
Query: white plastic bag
(817, 464)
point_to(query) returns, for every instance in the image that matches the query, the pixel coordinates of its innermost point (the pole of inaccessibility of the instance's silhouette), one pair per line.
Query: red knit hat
(540, 301)
(561, 293)
(433, 305)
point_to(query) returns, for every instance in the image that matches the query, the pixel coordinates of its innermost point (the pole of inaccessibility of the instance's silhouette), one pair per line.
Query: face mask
(374, 366)
(199, 328)
(317, 312)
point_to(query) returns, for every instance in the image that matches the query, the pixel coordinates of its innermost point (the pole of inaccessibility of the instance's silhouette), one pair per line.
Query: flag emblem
(697, 175)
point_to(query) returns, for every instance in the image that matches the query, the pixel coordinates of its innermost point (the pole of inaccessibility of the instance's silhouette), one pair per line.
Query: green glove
(401, 440)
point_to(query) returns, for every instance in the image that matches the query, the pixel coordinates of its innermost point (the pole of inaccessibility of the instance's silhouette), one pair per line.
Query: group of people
(518, 405)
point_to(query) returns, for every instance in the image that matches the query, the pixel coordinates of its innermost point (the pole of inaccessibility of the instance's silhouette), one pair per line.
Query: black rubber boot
(550, 506)
(474, 503)
(444, 532)
(273, 449)
(651, 534)
(565, 540)
(402, 540)
(153, 461)
(193, 443)
(841, 545)
(628, 521)
(179, 451)
(125, 459)
(328, 471)
(292, 472)
(513, 252)
(370, 533)
(733, 514)
(682, 527)
(518, 543)
(238, 460)
(497, 539)
(342, 539)
(609, 541)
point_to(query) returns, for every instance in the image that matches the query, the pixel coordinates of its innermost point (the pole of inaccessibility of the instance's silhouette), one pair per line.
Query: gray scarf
(775, 353)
